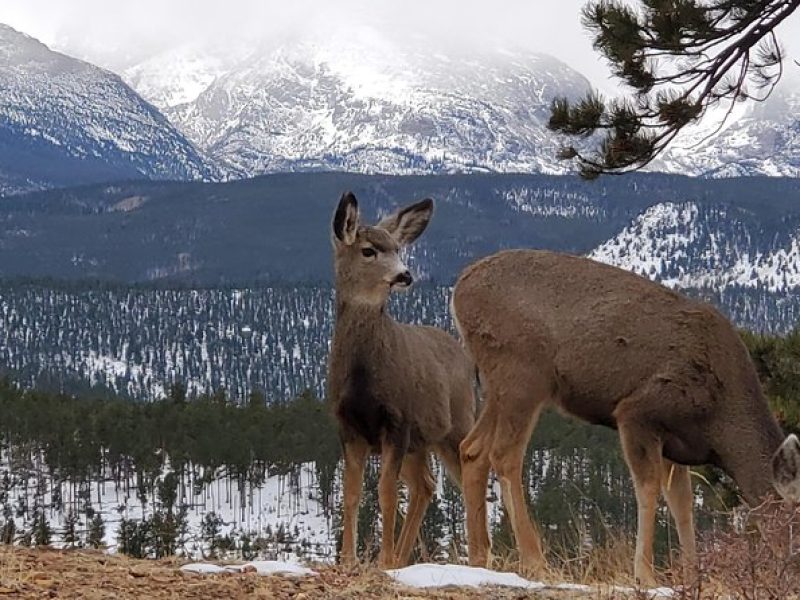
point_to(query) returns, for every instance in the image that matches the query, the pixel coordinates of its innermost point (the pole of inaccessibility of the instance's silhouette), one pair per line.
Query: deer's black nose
(404, 278)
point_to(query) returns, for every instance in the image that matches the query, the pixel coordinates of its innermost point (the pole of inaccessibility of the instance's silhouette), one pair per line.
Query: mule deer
(611, 348)
(400, 390)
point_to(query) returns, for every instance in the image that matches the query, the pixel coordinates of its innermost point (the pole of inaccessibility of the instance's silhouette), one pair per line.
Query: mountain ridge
(276, 228)
(313, 107)
(357, 103)
(388, 108)
(65, 121)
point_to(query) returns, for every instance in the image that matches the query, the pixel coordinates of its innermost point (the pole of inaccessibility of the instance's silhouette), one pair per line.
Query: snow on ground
(432, 575)
(286, 502)
(262, 567)
(425, 575)
(291, 503)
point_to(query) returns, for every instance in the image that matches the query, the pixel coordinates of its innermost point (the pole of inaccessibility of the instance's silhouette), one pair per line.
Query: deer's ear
(345, 220)
(786, 469)
(408, 223)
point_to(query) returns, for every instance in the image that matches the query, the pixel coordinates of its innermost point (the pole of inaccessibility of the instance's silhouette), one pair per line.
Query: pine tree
(680, 57)
(503, 537)
(70, 535)
(210, 529)
(8, 532)
(132, 538)
(25, 538)
(368, 540)
(433, 531)
(41, 529)
(247, 547)
(455, 515)
(97, 532)
(182, 525)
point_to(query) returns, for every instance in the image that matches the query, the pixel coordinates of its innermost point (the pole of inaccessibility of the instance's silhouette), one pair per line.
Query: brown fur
(612, 348)
(400, 390)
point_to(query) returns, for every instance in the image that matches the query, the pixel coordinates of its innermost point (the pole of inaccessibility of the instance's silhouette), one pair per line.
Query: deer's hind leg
(676, 484)
(475, 465)
(416, 472)
(513, 431)
(448, 450)
(515, 393)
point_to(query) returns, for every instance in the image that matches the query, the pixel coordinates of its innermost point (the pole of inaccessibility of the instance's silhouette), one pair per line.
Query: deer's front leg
(391, 461)
(355, 459)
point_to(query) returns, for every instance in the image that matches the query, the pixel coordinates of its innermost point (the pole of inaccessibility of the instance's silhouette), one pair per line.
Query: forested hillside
(137, 342)
(207, 476)
(276, 230)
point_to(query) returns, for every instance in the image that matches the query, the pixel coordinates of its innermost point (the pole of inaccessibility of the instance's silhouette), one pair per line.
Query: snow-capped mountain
(756, 138)
(362, 102)
(65, 121)
(686, 245)
(179, 75)
(365, 103)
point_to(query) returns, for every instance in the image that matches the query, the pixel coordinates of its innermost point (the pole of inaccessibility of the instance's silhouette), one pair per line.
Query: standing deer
(398, 390)
(611, 348)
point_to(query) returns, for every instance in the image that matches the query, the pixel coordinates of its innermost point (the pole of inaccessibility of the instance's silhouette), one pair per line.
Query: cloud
(115, 33)
(105, 31)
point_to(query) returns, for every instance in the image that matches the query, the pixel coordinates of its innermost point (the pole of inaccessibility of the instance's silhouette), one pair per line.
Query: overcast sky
(109, 31)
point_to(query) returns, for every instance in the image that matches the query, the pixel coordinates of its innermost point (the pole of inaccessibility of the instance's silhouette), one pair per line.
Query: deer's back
(604, 331)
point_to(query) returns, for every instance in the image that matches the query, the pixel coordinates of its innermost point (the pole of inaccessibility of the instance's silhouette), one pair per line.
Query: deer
(398, 390)
(610, 347)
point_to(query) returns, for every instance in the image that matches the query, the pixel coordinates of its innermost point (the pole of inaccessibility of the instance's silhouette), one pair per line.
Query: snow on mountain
(757, 138)
(364, 103)
(550, 202)
(358, 101)
(64, 121)
(686, 245)
(179, 75)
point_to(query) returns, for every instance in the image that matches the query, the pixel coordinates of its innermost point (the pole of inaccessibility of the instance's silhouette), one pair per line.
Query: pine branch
(679, 57)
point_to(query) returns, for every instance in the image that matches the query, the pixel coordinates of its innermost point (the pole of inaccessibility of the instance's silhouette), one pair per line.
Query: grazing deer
(398, 390)
(611, 348)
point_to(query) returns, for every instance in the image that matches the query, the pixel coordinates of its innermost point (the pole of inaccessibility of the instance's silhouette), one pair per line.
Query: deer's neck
(361, 324)
(749, 461)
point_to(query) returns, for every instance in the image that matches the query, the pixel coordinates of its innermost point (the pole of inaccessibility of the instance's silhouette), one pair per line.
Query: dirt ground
(48, 573)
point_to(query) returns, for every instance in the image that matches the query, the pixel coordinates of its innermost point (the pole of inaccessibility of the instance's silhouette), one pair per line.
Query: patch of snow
(273, 567)
(549, 202)
(663, 231)
(203, 568)
(262, 567)
(427, 575)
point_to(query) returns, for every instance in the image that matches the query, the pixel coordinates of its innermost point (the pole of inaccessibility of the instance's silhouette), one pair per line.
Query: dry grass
(48, 573)
(610, 564)
(759, 560)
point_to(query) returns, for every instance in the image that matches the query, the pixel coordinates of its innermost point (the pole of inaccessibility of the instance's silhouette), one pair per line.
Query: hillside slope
(65, 122)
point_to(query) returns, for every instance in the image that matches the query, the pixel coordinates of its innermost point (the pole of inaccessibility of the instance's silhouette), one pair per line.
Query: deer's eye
(368, 252)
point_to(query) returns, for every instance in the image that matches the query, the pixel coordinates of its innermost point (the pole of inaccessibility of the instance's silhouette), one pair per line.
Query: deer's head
(367, 258)
(786, 469)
